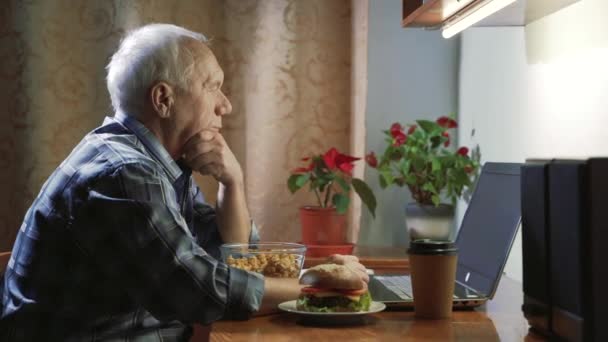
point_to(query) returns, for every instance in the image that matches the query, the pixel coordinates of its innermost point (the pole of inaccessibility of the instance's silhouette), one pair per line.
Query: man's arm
(132, 228)
(208, 153)
(232, 213)
(277, 291)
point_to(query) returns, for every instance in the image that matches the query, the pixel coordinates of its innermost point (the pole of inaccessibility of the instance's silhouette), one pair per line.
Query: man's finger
(212, 170)
(356, 265)
(342, 259)
(203, 164)
(197, 150)
(359, 269)
(203, 136)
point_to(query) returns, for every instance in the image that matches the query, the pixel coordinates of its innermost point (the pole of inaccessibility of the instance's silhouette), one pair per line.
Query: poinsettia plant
(417, 156)
(329, 176)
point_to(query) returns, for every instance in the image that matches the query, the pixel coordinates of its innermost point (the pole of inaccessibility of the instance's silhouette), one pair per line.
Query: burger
(332, 288)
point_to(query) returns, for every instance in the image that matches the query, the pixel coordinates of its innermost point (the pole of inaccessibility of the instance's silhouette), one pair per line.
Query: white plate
(290, 306)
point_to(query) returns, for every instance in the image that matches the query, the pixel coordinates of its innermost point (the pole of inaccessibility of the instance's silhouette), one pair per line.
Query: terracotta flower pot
(322, 226)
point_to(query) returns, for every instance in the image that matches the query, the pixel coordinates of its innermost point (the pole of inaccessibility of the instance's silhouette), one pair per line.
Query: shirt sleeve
(131, 226)
(206, 228)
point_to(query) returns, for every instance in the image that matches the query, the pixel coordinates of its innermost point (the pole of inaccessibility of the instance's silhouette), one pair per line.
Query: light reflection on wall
(568, 104)
(539, 93)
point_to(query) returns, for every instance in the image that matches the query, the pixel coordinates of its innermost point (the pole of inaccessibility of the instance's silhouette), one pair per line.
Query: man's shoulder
(103, 151)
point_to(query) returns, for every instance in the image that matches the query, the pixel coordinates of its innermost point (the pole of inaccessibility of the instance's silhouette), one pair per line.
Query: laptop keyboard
(402, 286)
(399, 285)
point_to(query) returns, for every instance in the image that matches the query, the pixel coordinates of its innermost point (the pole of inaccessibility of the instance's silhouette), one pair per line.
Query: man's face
(201, 107)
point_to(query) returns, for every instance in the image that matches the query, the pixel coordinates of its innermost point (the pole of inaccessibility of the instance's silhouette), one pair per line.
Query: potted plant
(418, 156)
(329, 176)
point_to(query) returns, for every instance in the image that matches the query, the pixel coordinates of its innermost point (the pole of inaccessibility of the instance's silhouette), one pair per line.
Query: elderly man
(119, 243)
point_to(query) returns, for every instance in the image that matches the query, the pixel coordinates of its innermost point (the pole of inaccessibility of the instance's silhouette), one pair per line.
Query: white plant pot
(428, 221)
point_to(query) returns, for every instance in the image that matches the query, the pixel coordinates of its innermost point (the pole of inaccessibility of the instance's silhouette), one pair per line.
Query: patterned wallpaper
(288, 66)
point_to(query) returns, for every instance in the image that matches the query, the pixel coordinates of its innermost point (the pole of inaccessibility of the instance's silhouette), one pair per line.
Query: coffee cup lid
(432, 247)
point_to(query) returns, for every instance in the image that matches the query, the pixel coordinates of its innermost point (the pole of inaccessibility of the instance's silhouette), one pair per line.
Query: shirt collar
(151, 143)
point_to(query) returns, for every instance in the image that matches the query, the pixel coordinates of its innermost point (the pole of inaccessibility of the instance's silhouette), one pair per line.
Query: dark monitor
(489, 227)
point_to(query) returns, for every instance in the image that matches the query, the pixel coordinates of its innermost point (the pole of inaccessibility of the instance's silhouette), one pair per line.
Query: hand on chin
(208, 153)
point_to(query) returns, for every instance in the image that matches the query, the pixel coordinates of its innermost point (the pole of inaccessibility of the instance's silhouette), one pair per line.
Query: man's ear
(162, 97)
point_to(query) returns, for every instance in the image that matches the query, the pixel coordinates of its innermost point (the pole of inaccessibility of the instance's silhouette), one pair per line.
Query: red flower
(330, 158)
(400, 139)
(345, 163)
(412, 129)
(347, 168)
(336, 160)
(446, 122)
(398, 135)
(371, 159)
(447, 135)
(396, 129)
(463, 151)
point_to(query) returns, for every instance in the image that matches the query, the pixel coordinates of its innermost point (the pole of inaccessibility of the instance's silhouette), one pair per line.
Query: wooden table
(499, 320)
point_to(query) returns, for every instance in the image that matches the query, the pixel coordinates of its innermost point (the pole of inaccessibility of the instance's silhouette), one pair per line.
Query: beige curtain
(295, 73)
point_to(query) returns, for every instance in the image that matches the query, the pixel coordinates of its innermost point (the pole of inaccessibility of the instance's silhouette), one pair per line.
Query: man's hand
(207, 153)
(352, 262)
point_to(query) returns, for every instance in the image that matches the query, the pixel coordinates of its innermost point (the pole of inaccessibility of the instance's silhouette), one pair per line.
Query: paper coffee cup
(433, 272)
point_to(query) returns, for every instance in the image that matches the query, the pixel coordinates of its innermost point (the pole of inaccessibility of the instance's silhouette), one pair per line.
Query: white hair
(146, 55)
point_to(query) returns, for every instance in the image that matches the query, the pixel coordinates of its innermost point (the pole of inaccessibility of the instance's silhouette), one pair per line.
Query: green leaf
(436, 200)
(436, 164)
(410, 179)
(388, 176)
(326, 178)
(429, 187)
(404, 166)
(418, 164)
(436, 141)
(295, 182)
(428, 126)
(342, 184)
(461, 177)
(341, 202)
(302, 180)
(383, 184)
(366, 194)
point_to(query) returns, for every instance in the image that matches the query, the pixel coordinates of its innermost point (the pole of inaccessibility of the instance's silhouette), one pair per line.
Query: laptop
(484, 241)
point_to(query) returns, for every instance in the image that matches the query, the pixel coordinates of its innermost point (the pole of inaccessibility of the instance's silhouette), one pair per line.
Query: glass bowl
(272, 259)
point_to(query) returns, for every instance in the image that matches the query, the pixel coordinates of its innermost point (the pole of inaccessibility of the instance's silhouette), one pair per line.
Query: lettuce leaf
(363, 303)
(302, 305)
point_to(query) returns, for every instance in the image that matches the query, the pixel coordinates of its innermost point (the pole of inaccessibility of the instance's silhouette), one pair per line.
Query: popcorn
(278, 265)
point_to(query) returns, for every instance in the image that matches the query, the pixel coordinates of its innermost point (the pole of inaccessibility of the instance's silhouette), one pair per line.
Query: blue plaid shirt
(120, 245)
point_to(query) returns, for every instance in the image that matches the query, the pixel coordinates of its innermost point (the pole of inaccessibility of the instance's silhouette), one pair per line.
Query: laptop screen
(489, 227)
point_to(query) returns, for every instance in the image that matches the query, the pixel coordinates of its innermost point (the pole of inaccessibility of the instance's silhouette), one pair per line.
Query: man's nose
(224, 107)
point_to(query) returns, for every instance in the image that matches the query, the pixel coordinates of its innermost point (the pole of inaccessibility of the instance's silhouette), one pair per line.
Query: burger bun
(332, 276)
